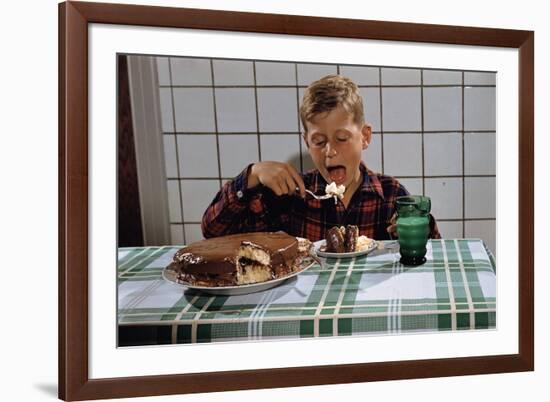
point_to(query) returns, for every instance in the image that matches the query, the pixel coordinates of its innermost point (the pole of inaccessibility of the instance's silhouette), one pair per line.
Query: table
(368, 295)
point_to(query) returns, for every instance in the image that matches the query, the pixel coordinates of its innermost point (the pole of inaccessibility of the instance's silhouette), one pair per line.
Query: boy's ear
(366, 133)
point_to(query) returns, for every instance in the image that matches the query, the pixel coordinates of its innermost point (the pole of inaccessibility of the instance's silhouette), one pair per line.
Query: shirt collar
(371, 182)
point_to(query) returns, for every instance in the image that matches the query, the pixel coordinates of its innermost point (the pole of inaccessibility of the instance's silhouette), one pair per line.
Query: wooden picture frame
(74, 380)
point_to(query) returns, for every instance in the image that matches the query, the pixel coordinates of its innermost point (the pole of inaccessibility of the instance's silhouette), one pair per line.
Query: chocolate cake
(335, 240)
(342, 239)
(239, 259)
(350, 238)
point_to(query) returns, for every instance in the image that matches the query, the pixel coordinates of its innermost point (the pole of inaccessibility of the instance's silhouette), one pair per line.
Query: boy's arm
(434, 230)
(238, 209)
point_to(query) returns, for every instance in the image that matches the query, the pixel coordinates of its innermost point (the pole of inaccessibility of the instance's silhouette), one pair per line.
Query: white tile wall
(362, 75)
(233, 72)
(450, 230)
(480, 153)
(167, 120)
(403, 154)
(399, 111)
(413, 186)
(236, 152)
(275, 73)
(485, 230)
(480, 196)
(163, 71)
(170, 157)
(371, 106)
(192, 232)
(442, 108)
(194, 109)
(195, 194)
(281, 147)
(307, 73)
(176, 234)
(442, 77)
(446, 196)
(189, 71)
(193, 151)
(479, 108)
(236, 109)
(372, 156)
(400, 76)
(174, 200)
(478, 78)
(443, 154)
(277, 109)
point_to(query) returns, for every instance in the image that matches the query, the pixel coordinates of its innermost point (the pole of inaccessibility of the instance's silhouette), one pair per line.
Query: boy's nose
(330, 151)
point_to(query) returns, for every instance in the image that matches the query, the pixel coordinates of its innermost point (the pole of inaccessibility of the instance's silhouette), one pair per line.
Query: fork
(319, 197)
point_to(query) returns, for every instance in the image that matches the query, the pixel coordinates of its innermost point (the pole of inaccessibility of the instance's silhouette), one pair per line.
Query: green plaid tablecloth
(375, 294)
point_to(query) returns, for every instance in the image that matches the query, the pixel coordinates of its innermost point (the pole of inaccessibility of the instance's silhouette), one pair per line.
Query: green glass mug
(413, 228)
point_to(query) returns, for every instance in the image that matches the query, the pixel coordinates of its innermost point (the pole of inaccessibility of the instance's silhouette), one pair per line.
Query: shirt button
(240, 194)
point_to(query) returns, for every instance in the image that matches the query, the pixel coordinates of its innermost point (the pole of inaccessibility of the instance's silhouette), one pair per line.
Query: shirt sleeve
(238, 209)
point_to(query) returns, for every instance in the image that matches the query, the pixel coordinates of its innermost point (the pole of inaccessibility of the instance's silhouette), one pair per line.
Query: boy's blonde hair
(328, 93)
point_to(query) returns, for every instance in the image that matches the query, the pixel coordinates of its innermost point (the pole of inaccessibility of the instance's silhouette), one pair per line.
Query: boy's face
(335, 143)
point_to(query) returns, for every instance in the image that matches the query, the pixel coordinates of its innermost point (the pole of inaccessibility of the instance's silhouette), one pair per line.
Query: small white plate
(171, 276)
(322, 243)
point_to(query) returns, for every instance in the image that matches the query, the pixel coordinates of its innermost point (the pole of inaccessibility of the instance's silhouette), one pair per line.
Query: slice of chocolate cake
(335, 240)
(342, 239)
(239, 259)
(350, 238)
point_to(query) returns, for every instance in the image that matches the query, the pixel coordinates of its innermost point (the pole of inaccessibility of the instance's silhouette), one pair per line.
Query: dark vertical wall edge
(130, 229)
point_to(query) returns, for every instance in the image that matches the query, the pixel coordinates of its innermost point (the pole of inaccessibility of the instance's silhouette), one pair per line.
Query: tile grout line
(180, 191)
(298, 117)
(257, 111)
(199, 133)
(216, 130)
(463, 167)
(304, 86)
(381, 120)
(422, 130)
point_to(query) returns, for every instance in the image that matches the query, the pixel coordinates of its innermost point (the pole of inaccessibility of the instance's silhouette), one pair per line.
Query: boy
(270, 196)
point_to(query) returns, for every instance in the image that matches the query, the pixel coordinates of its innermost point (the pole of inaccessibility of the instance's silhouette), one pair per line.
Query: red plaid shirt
(237, 209)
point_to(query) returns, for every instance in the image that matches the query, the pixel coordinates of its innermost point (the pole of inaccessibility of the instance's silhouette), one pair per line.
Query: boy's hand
(392, 229)
(278, 176)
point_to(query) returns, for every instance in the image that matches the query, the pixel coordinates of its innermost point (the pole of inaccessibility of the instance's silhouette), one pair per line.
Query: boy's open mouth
(337, 174)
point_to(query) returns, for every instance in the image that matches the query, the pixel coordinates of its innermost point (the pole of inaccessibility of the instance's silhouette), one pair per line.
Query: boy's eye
(342, 139)
(319, 143)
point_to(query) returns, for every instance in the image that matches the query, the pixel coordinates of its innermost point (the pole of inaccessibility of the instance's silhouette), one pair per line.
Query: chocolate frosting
(218, 255)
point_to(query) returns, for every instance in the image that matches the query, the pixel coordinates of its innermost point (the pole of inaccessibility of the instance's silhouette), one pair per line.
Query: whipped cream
(332, 190)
